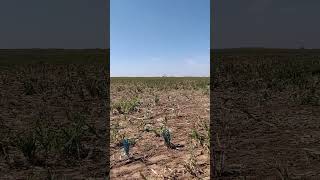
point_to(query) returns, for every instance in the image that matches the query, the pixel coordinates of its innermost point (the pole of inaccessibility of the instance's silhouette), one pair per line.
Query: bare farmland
(142, 110)
(53, 114)
(265, 113)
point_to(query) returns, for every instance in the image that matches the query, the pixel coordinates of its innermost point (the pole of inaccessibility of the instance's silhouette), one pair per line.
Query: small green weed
(29, 88)
(72, 135)
(126, 107)
(156, 99)
(28, 146)
(46, 137)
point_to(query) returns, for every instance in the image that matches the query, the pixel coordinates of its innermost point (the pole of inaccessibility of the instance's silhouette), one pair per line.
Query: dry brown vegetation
(53, 114)
(265, 114)
(143, 109)
(265, 118)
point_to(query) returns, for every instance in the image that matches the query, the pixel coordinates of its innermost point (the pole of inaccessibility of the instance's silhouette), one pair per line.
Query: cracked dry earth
(183, 109)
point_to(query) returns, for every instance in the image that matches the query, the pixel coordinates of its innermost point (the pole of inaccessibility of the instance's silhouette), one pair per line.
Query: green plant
(203, 136)
(218, 158)
(156, 99)
(114, 132)
(51, 175)
(28, 146)
(191, 164)
(126, 146)
(126, 107)
(73, 134)
(46, 137)
(282, 171)
(94, 87)
(32, 177)
(309, 97)
(28, 87)
(197, 136)
(72, 141)
(165, 133)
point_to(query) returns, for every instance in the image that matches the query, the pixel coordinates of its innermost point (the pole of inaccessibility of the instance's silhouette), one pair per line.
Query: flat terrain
(141, 109)
(53, 114)
(266, 114)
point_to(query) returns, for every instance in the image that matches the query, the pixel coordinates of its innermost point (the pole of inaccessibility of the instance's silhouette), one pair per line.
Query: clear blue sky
(157, 37)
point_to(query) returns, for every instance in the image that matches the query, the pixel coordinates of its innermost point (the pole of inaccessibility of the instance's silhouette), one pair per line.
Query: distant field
(163, 82)
(265, 51)
(53, 56)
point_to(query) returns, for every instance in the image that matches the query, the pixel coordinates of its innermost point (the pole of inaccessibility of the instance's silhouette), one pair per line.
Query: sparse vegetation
(125, 107)
(28, 146)
(157, 114)
(265, 107)
(53, 113)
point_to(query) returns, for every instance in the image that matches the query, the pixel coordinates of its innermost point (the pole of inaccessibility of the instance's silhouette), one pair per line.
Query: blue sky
(160, 37)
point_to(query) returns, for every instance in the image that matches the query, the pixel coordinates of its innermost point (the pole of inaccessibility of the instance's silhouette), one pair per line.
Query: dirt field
(265, 114)
(53, 114)
(142, 109)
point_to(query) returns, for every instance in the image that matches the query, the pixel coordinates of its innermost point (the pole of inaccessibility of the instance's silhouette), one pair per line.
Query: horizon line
(54, 48)
(154, 76)
(287, 48)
